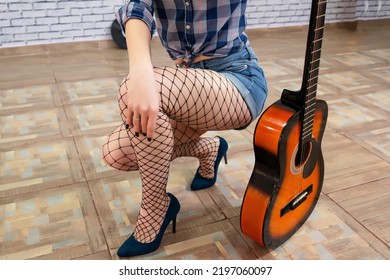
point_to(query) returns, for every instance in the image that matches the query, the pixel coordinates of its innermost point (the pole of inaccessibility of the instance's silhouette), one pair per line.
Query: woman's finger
(151, 126)
(129, 118)
(136, 122)
(143, 124)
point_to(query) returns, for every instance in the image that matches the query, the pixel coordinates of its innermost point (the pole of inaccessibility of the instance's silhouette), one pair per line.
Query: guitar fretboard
(312, 66)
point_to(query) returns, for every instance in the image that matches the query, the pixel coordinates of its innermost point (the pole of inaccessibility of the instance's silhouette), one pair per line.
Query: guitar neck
(312, 66)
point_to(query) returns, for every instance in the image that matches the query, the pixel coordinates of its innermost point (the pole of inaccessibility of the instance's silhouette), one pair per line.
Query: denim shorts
(243, 70)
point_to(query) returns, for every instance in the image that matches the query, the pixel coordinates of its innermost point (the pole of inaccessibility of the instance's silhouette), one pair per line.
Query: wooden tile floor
(58, 200)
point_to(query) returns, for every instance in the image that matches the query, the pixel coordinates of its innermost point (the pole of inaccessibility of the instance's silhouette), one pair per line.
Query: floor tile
(59, 223)
(32, 167)
(25, 98)
(93, 116)
(89, 90)
(33, 125)
(368, 203)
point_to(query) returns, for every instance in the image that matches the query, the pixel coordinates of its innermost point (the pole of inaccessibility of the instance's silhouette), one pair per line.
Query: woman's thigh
(201, 99)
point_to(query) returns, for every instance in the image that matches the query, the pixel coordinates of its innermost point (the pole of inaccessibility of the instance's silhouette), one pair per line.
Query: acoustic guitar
(289, 168)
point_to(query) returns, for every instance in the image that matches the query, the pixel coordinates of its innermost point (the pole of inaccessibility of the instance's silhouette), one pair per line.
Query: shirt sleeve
(139, 9)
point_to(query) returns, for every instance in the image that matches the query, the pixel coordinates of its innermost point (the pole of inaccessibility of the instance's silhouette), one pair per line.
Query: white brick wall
(275, 13)
(27, 22)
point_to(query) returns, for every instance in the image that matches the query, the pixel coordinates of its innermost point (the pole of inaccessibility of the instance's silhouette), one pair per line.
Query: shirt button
(187, 3)
(188, 26)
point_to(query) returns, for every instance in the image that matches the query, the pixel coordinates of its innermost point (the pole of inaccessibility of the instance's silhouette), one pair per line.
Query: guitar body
(285, 184)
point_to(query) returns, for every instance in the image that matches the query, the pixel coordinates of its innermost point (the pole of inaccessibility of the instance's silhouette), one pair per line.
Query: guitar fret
(312, 82)
(308, 125)
(312, 86)
(318, 44)
(311, 90)
(311, 111)
(308, 131)
(311, 100)
(313, 79)
(311, 105)
(316, 48)
(313, 76)
(308, 104)
(315, 66)
(321, 21)
(317, 40)
(315, 54)
(307, 121)
(307, 136)
(315, 51)
(316, 61)
(308, 113)
(312, 95)
(319, 32)
(315, 72)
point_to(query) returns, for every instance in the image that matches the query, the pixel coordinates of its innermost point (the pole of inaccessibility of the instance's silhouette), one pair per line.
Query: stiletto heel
(174, 225)
(132, 247)
(199, 182)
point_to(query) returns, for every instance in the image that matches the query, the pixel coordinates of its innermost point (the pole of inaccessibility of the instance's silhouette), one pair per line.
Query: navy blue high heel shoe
(132, 247)
(199, 182)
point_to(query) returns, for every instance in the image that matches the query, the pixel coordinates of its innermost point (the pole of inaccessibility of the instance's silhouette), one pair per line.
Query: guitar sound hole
(302, 154)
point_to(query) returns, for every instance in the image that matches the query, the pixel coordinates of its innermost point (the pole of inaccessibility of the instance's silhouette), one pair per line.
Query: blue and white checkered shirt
(188, 28)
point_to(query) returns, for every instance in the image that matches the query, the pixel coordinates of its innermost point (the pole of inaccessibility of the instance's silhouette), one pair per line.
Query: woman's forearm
(138, 44)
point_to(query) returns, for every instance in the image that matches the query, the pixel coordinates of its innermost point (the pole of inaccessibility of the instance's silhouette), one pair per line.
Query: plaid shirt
(188, 28)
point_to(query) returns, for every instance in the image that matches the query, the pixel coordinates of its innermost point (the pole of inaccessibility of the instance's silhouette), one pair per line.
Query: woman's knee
(118, 159)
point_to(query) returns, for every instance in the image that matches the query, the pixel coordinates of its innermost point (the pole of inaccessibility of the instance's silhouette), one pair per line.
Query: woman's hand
(143, 101)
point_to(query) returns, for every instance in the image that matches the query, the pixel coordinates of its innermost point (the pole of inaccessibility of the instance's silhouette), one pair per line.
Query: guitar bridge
(298, 200)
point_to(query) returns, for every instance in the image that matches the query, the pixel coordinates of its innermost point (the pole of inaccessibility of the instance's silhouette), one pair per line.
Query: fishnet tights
(205, 149)
(193, 101)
